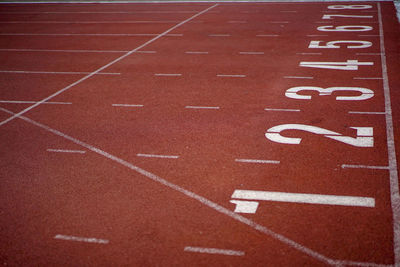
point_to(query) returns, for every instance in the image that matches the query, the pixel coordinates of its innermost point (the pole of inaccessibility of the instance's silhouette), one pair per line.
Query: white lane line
(237, 21)
(282, 109)
(82, 239)
(308, 53)
(231, 75)
(90, 22)
(201, 107)
(33, 102)
(267, 35)
(93, 34)
(297, 77)
(106, 65)
(368, 78)
(251, 53)
(394, 177)
(72, 51)
(197, 52)
(168, 74)
(127, 105)
(204, 201)
(349, 166)
(214, 251)
(305, 198)
(66, 151)
(219, 35)
(54, 72)
(260, 161)
(367, 112)
(157, 156)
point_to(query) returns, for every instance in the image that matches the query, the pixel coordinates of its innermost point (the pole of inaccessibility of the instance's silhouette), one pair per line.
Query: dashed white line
(346, 166)
(282, 109)
(251, 53)
(196, 52)
(127, 105)
(168, 74)
(231, 75)
(66, 151)
(214, 251)
(260, 161)
(219, 35)
(267, 35)
(33, 102)
(201, 107)
(157, 156)
(308, 53)
(297, 77)
(54, 72)
(367, 112)
(82, 239)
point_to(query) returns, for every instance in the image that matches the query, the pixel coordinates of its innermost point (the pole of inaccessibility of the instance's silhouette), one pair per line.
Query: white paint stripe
(297, 77)
(251, 53)
(33, 102)
(157, 156)
(267, 35)
(261, 161)
(201, 107)
(66, 151)
(347, 166)
(305, 198)
(394, 177)
(308, 53)
(368, 78)
(168, 74)
(231, 75)
(214, 251)
(126, 105)
(282, 109)
(92, 34)
(106, 66)
(196, 52)
(54, 72)
(73, 51)
(218, 208)
(366, 112)
(219, 35)
(82, 239)
(90, 22)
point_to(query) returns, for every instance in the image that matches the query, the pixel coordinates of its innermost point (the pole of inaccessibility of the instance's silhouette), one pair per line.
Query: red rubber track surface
(149, 222)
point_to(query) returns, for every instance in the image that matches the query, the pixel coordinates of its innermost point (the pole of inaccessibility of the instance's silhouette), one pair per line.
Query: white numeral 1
(350, 64)
(364, 135)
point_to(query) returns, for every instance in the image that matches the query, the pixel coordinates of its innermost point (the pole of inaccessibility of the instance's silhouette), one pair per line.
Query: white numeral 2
(364, 135)
(365, 92)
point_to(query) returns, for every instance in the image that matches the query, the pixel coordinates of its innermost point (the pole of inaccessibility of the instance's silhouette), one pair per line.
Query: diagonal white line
(106, 66)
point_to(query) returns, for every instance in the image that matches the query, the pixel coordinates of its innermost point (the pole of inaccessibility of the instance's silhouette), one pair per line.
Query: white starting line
(298, 77)
(227, 252)
(282, 109)
(127, 105)
(201, 107)
(367, 112)
(168, 74)
(231, 75)
(33, 102)
(66, 151)
(349, 166)
(157, 156)
(82, 239)
(258, 161)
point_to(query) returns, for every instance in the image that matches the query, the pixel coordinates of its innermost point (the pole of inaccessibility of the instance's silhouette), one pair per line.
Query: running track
(199, 134)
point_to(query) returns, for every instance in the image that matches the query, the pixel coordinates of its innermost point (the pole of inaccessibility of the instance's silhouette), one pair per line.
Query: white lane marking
(127, 105)
(297, 77)
(368, 54)
(33, 102)
(82, 239)
(157, 156)
(54, 72)
(168, 74)
(214, 251)
(367, 112)
(305, 198)
(90, 22)
(394, 177)
(107, 65)
(92, 34)
(282, 109)
(201, 107)
(251, 53)
(267, 35)
(260, 161)
(206, 202)
(308, 53)
(72, 51)
(368, 78)
(349, 166)
(231, 75)
(196, 52)
(219, 35)
(66, 151)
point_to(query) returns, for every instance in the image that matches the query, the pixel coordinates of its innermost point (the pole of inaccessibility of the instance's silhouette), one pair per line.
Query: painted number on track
(334, 44)
(364, 135)
(350, 64)
(350, 7)
(347, 28)
(365, 92)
